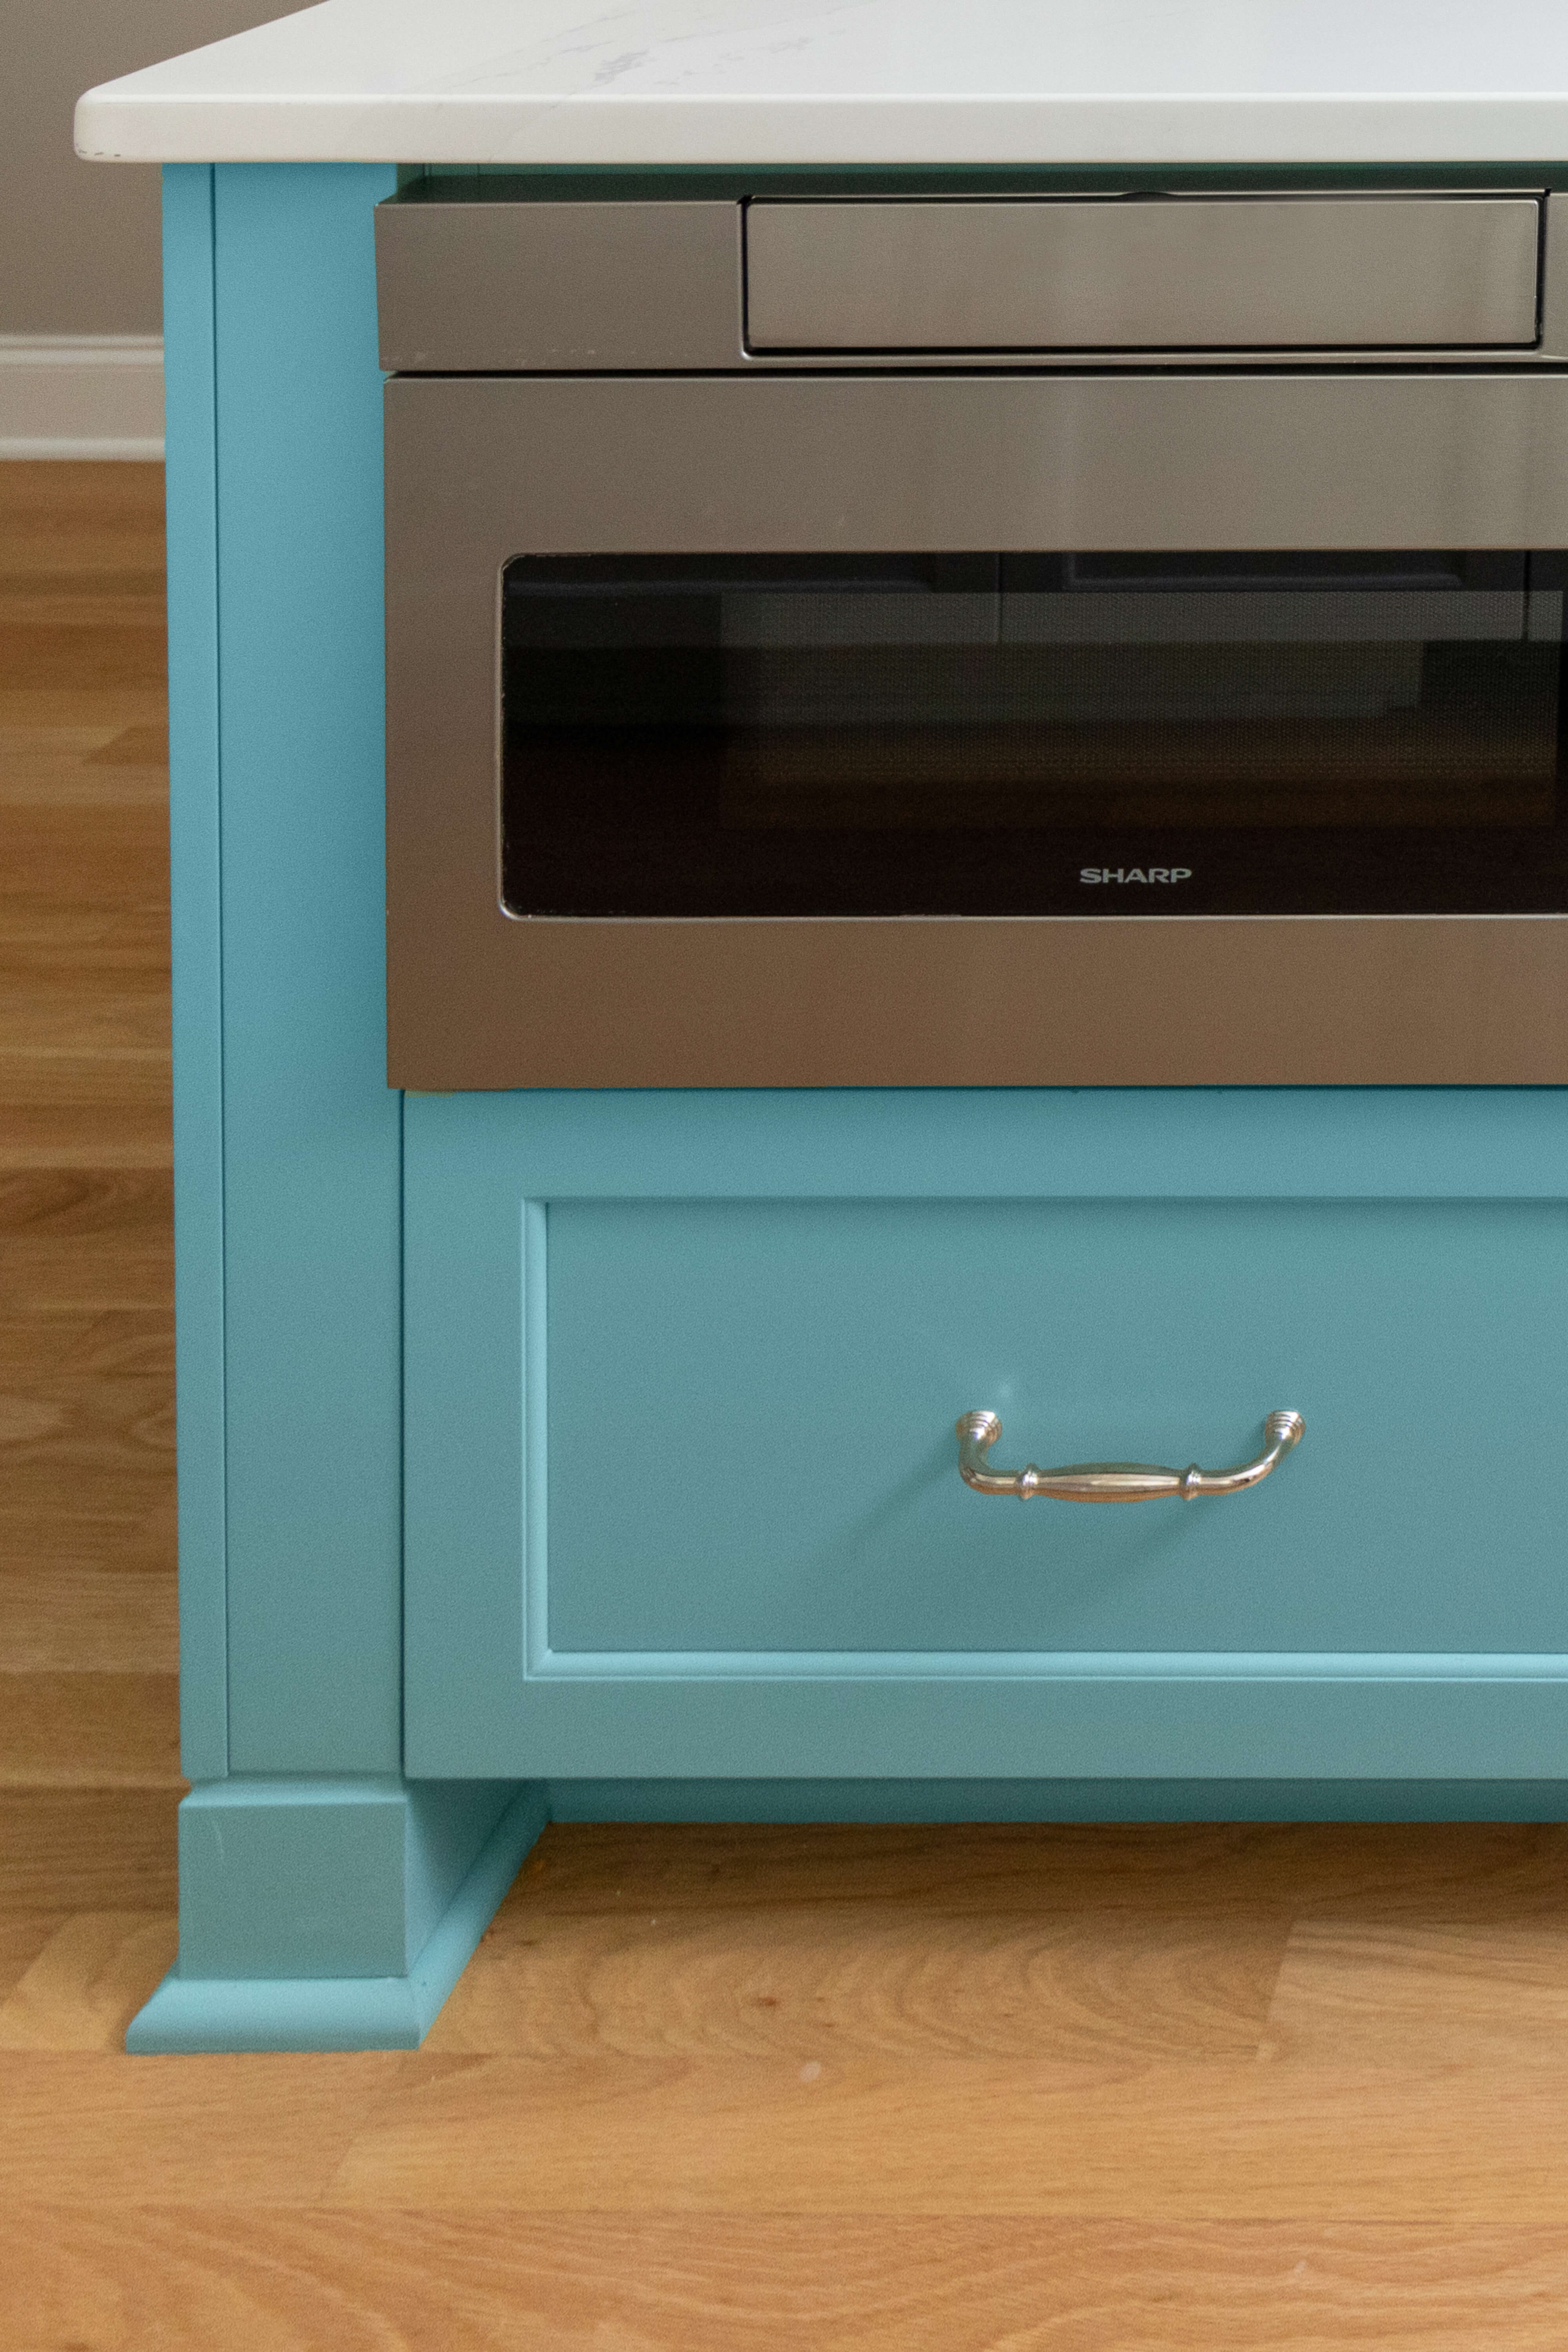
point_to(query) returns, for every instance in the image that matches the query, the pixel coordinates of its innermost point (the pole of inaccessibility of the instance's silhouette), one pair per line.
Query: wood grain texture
(64, 1617)
(800, 1985)
(23, 1935)
(1035, 1943)
(524, 2281)
(1468, 1991)
(86, 1485)
(86, 1239)
(1481, 1871)
(67, 1110)
(87, 1730)
(87, 1849)
(652, 2155)
(104, 765)
(86, 1412)
(87, 1498)
(1224, 2140)
(88, 1980)
(115, 2131)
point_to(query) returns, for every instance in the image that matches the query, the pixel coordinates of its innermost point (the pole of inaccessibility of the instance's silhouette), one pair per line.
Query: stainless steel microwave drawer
(1129, 273)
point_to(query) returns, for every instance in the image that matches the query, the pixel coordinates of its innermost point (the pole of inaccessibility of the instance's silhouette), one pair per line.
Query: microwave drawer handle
(1114, 1481)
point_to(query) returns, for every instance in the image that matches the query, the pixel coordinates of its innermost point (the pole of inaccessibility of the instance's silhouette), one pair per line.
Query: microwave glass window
(1031, 734)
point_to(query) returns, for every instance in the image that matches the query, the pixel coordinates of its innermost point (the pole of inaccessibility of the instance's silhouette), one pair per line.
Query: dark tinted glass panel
(1088, 734)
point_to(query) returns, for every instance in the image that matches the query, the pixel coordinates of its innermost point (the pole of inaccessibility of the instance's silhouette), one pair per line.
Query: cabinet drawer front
(683, 1493)
(751, 1410)
(1184, 273)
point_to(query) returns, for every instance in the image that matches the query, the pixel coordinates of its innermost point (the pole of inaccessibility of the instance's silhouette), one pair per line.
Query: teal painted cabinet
(592, 1454)
(683, 1490)
(326, 1898)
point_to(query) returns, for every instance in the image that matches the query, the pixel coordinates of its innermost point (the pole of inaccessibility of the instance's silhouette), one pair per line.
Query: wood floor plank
(90, 1730)
(86, 1850)
(854, 1979)
(1221, 2141)
(84, 705)
(90, 2130)
(59, 1616)
(41, 1012)
(108, 939)
(49, 1544)
(105, 947)
(23, 1934)
(114, 856)
(189, 2281)
(1492, 1991)
(84, 1986)
(110, 1369)
(87, 1450)
(141, 750)
(115, 558)
(38, 601)
(87, 1406)
(87, 1593)
(92, 1555)
(92, 1111)
(82, 1239)
(1212, 1870)
(123, 650)
(89, 509)
(69, 769)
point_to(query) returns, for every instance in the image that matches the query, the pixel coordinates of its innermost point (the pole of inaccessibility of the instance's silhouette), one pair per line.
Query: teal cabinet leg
(332, 1915)
(325, 1901)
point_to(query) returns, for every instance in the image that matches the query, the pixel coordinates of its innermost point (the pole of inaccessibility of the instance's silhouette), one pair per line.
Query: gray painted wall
(79, 242)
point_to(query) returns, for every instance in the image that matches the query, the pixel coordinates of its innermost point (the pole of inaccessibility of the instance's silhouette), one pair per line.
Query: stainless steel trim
(1554, 344)
(484, 468)
(1346, 358)
(548, 286)
(474, 286)
(477, 1000)
(1260, 273)
(480, 470)
(1114, 1481)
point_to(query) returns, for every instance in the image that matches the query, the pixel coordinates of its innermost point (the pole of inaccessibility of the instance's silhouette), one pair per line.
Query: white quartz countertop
(860, 81)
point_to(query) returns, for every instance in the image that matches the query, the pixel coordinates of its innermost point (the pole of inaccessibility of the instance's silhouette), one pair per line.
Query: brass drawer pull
(1113, 1482)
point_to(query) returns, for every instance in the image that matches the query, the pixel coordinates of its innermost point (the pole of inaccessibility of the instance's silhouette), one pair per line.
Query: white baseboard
(82, 397)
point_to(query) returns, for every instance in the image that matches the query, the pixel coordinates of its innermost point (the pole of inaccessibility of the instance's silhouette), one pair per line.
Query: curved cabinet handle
(1113, 1482)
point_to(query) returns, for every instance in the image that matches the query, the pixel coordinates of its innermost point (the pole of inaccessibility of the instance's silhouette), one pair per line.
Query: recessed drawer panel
(751, 1408)
(1127, 274)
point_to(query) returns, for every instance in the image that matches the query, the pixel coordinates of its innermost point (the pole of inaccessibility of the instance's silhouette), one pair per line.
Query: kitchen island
(723, 1332)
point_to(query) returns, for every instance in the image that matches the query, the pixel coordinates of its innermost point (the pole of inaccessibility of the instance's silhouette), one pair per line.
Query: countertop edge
(593, 130)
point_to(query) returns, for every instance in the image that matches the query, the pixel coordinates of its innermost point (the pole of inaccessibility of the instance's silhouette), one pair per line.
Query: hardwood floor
(701, 2090)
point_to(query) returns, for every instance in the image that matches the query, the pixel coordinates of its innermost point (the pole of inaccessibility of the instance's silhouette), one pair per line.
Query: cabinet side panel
(312, 1135)
(194, 847)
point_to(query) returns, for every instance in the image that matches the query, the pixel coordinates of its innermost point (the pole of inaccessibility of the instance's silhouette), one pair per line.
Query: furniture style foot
(330, 1875)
